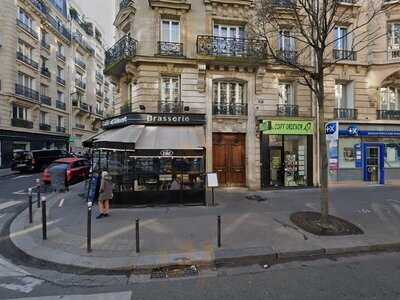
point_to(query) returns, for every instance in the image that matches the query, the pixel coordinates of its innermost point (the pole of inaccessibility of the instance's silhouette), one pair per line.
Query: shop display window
(392, 153)
(347, 152)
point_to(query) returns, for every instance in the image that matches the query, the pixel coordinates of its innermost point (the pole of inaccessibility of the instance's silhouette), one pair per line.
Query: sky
(102, 12)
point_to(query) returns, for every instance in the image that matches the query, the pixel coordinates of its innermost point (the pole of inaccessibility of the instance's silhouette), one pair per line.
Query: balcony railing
(45, 72)
(80, 126)
(79, 39)
(60, 105)
(22, 123)
(233, 109)
(24, 91)
(123, 49)
(231, 47)
(59, 27)
(80, 63)
(40, 6)
(346, 113)
(45, 44)
(284, 3)
(45, 100)
(341, 54)
(170, 49)
(60, 80)
(285, 110)
(60, 129)
(99, 76)
(27, 60)
(44, 127)
(60, 56)
(388, 114)
(170, 107)
(27, 28)
(80, 84)
(289, 56)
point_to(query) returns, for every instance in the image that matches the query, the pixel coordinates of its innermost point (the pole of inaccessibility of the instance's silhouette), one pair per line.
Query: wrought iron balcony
(22, 123)
(61, 129)
(124, 49)
(79, 40)
(232, 109)
(27, 28)
(60, 105)
(60, 80)
(26, 92)
(45, 100)
(45, 72)
(170, 49)
(346, 113)
(231, 47)
(286, 110)
(388, 114)
(170, 107)
(289, 56)
(60, 56)
(80, 84)
(44, 127)
(44, 44)
(59, 27)
(27, 60)
(80, 63)
(284, 3)
(341, 54)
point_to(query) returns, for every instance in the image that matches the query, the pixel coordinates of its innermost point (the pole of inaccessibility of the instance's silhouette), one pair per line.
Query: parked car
(77, 170)
(37, 160)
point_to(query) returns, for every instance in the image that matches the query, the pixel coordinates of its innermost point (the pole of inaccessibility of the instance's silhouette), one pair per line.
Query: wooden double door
(229, 158)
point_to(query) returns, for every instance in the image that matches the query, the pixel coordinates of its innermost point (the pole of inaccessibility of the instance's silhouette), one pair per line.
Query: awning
(119, 138)
(171, 137)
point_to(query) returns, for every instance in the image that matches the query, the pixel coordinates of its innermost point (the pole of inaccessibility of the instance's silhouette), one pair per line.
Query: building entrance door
(229, 158)
(276, 166)
(374, 160)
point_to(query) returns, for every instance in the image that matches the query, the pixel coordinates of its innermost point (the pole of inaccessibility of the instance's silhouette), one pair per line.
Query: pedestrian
(105, 195)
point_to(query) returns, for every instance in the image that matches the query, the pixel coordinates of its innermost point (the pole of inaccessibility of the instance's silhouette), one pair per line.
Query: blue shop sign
(355, 131)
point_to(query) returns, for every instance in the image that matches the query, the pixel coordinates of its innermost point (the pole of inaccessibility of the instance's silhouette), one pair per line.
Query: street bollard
(30, 205)
(219, 231)
(137, 236)
(38, 192)
(44, 219)
(89, 227)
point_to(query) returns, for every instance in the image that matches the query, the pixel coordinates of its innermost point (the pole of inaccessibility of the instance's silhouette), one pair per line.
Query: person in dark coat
(105, 195)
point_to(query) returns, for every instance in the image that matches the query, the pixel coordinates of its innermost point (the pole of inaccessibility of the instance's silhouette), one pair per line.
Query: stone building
(186, 56)
(52, 64)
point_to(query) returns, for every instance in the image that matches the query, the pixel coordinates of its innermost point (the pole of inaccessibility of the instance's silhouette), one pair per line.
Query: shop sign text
(288, 127)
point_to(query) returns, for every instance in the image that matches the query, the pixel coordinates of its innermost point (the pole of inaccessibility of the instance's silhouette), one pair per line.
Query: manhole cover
(174, 272)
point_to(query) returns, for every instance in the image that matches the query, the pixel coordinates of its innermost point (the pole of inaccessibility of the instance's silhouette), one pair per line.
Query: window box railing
(123, 49)
(80, 84)
(45, 100)
(45, 72)
(60, 105)
(80, 63)
(22, 123)
(61, 129)
(388, 114)
(289, 56)
(60, 80)
(231, 47)
(27, 28)
(346, 113)
(44, 127)
(99, 76)
(341, 54)
(170, 107)
(80, 126)
(170, 49)
(60, 56)
(26, 92)
(233, 109)
(286, 110)
(27, 60)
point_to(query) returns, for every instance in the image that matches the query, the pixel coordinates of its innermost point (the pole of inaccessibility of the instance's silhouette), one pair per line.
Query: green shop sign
(287, 127)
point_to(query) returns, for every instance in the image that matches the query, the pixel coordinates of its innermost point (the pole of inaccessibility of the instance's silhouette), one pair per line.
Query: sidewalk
(6, 172)
(173, 235)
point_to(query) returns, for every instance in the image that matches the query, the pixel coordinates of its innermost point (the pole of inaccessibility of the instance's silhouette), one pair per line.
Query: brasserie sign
(154, 119)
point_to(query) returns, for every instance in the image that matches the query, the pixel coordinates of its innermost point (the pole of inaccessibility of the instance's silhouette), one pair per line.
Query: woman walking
(106, 194)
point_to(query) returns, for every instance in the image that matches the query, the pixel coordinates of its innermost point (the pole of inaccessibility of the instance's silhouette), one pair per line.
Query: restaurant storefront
(153, 158)
(286, 153)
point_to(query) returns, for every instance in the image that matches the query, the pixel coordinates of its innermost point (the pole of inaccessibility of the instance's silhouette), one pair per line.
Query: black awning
(119, 138)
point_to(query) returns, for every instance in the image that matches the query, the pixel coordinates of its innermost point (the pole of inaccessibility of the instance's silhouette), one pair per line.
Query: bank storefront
(363, 152)
(286, 153)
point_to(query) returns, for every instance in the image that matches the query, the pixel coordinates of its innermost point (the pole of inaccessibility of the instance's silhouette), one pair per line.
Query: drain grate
(175, 272)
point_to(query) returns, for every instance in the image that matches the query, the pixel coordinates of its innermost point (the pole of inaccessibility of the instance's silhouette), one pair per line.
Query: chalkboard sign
(94, 188)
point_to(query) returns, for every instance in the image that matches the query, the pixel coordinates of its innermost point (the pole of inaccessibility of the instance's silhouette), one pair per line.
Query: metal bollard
(137, 236)
(89, 227)
(38, 192)
(30, 205)
(44, 219)
(219, 231)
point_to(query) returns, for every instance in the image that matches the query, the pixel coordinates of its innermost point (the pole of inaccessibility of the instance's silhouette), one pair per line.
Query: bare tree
(313, 26)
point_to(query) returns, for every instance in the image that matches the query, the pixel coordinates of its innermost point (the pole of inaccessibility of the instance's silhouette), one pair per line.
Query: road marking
(108, 296)
(22, 176)
(61, 202)
(9, 204)
(7, 269)
(27, 285)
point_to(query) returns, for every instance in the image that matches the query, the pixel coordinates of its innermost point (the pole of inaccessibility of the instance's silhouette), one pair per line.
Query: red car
(77, 169)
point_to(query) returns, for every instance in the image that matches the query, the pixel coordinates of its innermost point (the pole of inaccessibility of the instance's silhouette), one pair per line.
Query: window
(170, 31)
(286, 41)
(44, 36)
(342, 39)
(394, 35)
(228, 31)
(25, 49)
(20, 112)
(60, 97)
(344, 95)
(229, 93)
(170, 89)
(26, 80)
(390, 98)
(60, 48)
(44, 90)
(286, 96)
(60, 121)
(43, 117)
(24, 17)
(60, 72)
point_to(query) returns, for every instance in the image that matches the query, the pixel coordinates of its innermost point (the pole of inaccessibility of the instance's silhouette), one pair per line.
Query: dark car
(77, 170)
(37, 160)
